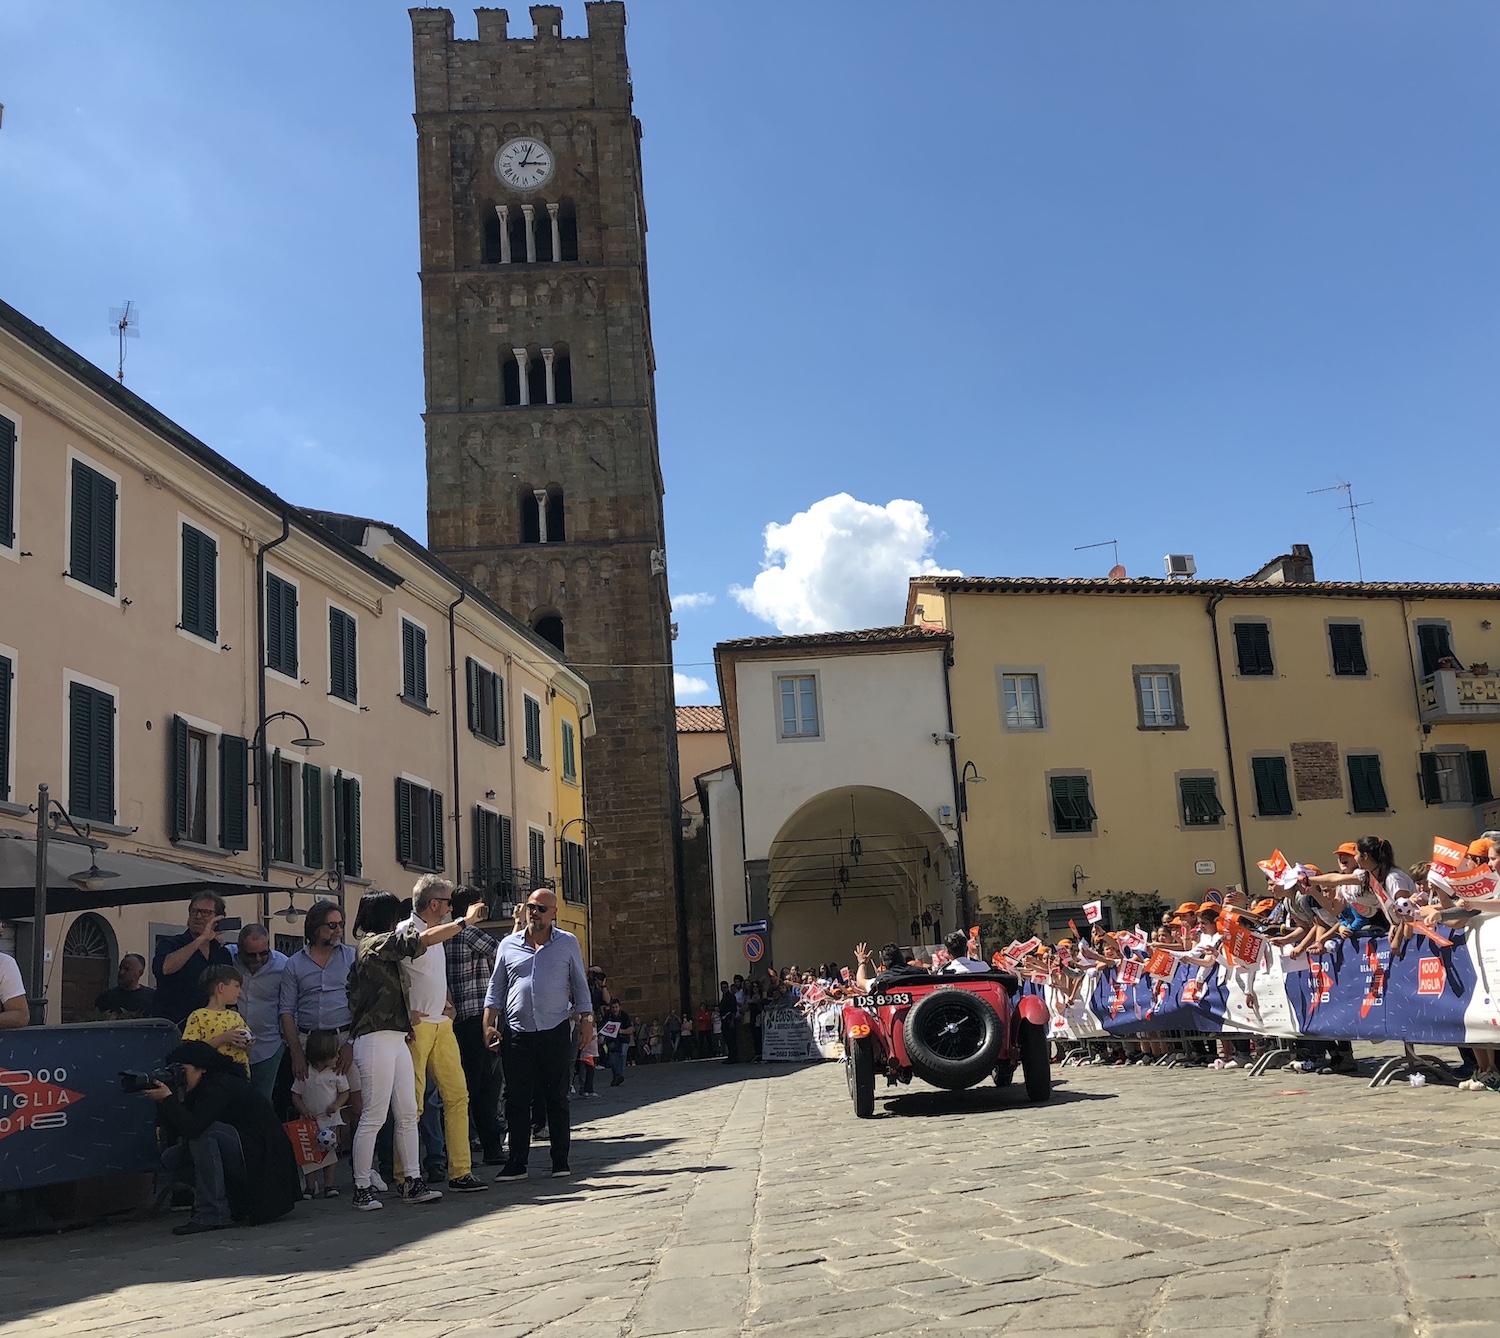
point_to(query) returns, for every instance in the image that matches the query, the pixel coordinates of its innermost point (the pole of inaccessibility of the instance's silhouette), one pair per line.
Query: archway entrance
(88, 966)
(854, 864)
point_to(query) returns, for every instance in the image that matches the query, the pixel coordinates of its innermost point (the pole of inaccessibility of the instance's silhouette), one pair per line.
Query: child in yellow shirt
(219, 1024)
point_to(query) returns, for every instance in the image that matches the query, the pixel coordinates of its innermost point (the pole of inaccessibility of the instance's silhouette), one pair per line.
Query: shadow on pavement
(976, 1100)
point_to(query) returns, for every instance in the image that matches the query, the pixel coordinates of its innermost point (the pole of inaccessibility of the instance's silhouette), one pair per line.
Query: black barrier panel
(62, 1114)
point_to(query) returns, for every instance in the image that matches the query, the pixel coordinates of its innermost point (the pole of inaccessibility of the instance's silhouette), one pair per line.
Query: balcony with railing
(1459, 696)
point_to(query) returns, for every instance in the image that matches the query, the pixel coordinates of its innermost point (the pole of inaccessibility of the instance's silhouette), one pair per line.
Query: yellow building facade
(1162, 736)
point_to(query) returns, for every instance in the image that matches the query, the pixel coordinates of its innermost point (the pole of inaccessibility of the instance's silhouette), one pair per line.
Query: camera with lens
(173, 1076)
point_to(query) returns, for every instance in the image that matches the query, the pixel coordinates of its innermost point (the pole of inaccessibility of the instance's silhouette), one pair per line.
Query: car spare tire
(953, 1038)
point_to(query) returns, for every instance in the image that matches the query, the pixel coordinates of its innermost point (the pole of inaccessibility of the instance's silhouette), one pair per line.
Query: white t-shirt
(962, 965)
(426, 976)
(11, 986)
(319, 1090)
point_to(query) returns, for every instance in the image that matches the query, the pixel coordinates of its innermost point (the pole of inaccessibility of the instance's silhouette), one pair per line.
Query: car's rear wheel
(953, 1038)
(860, 1070)
(1036, 1064)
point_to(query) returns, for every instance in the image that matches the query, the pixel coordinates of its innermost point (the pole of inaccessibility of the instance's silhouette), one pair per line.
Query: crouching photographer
(242, 1165)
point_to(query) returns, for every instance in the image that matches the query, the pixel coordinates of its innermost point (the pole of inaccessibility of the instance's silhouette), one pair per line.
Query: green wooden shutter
(274, 587)
(92, 548)
(476, 716)
(1200, 801)
(91, 754)
(403, 821)
(1435, 645)
(438, 859)
(289, 629)
(336, 669)
(178, 772)
(497, 689)
(353, 853)
(507, 859)
(413, 663)
(419, 639)
(481, 852)
(200, 564)
(81, 540)
(1366, 787)
(234, 792)
(569, 752)
(6, 678)
(1348, 645)
(312, 816)
(1252, 643)
(1480, 791)
(1432, 786)
(7, 487)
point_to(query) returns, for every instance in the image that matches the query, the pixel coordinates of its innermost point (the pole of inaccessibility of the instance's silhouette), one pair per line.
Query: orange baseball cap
(1262, 906)
(1187, 908)
(1480, 849)
(1348, 848)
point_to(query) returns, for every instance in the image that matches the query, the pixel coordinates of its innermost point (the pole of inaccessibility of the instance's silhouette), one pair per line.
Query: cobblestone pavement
(714, 1201)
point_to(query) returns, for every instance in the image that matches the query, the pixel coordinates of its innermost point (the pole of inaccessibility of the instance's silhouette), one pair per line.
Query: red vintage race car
(952, 1031)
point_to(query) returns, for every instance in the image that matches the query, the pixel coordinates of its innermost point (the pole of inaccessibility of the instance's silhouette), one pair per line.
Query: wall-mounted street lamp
(970, 775)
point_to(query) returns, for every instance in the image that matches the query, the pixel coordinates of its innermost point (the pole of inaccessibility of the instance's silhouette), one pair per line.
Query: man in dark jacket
(243, 1167)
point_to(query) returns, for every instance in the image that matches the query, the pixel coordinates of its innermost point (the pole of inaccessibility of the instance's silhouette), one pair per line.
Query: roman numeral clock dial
(524, 163)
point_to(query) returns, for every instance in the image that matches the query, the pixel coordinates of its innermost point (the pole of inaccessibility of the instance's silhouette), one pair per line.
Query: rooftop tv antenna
(1351, 506)
(126, 323)
(1104, 543)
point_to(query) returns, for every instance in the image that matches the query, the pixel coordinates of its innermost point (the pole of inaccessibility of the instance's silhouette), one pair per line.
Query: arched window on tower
(489, 252)
(542, 516)
(556, 527)
(510, 377)
(549, 626)
(567, 226)
(516, 233)
(536, 380)
(562, 375)
(547, 376)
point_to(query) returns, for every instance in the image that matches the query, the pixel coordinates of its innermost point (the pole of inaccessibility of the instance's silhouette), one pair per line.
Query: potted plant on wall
(1480, 669)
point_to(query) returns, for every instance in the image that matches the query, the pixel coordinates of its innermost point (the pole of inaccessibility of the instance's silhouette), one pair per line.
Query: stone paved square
(748, 1201)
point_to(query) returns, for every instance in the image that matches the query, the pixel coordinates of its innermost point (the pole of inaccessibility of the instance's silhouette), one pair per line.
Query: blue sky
(1049, 273)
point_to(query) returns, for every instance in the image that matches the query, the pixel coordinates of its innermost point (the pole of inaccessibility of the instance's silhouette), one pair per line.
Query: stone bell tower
(543, 481)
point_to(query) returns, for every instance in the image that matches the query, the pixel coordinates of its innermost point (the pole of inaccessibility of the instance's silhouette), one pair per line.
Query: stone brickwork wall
(1315, 767)
(485, 459)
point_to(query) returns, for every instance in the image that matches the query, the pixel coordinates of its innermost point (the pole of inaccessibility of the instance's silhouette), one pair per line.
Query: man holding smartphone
(537, 991)
(179, 961)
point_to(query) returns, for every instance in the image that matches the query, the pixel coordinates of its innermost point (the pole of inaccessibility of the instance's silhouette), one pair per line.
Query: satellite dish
(1117, 572)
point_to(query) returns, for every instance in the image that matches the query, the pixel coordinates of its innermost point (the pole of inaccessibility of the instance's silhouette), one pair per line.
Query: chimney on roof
(1294, 568)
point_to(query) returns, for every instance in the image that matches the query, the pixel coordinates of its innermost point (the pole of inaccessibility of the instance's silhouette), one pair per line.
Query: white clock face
(524, 163)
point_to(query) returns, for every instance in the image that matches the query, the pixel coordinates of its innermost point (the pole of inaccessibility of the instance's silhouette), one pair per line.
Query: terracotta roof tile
(869, 636)
(700, 719)
(1155, 585)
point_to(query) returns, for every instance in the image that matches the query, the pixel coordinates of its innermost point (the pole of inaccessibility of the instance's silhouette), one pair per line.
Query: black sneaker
(467, 1184)
(559, 1171)
(510, 1172)
(366, 1200)
(414, 1190)
(193, 1227)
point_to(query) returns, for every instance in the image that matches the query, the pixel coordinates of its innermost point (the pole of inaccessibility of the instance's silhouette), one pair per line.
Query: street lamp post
(258, 783)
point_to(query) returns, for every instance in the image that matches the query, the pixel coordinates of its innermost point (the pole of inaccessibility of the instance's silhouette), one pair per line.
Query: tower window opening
(490, 249)
(536, 381)
(531, 519)
(567, 227)
(510, 378)
(515, 228)
(556, 533)
(542, 517)
(550, 629)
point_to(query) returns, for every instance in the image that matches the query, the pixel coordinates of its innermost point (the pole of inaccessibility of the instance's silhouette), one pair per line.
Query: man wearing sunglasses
(538, 990)
(261, 966)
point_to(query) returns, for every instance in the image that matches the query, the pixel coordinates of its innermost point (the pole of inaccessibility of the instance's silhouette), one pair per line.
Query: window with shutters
(1456, 776)
(1273, 792)
(575, 874)
(533, 710)
(419, 826)
(1072, 810)
(1366, 785)
(7, 726)
(494, 859)
(1435, 642)
(1199, 804)
(190, 776)
(200, 584)
(343, 656)
(1346, 646)
(93, 530)
(9, 509)
(281, 625)
(569, 753)
(284, 807)
(346, 824)
(536, 866)
(1252, 649)
(486, 701)
(91, 752)
(234, 792)
(312, 816)
(413, 664)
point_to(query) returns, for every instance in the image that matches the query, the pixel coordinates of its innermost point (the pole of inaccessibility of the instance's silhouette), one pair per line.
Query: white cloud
(687, 603)
(685, 685)
(841, 565)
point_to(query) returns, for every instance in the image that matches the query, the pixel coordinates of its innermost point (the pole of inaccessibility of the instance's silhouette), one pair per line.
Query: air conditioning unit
(1180, 566)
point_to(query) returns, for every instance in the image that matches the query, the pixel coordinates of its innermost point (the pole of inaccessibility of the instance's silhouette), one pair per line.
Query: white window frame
(1152, 685)
(70, 677)
(504, 721)
(211, 790)
(431, 789)
(13, 550)
(184, 519)
(566, 730)
(1031, 671)
(359, 678)
(402, 616)
(776, 697)
(266, 623)
(67, 527)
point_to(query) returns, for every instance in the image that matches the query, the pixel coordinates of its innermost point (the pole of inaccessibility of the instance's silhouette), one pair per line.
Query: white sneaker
(377, 1184)
(1230, 1064)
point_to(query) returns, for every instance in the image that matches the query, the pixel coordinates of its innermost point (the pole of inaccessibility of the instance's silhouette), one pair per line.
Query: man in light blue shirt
(260, 1004)
(536, 991)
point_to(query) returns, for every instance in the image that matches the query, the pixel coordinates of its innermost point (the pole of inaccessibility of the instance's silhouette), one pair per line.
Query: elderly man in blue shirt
(537, 990)
(261, 966)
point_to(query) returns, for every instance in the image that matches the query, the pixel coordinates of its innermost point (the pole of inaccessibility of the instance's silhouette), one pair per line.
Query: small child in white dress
(322, 1096)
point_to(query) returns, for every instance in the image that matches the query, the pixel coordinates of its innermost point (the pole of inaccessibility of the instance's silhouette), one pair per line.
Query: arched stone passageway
(857, 863)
